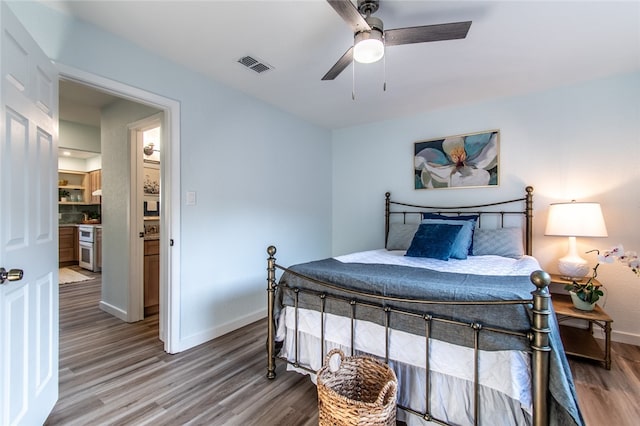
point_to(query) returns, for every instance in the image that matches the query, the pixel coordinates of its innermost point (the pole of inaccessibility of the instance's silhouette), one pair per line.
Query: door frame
(169, 323)
(135, 310)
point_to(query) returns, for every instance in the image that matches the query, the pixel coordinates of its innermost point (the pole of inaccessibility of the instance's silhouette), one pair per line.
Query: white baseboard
(619, 336)
(212, 333)
(110, 309)
(623, 337)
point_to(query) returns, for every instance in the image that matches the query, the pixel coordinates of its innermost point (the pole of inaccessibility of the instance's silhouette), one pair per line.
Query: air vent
(254, 64)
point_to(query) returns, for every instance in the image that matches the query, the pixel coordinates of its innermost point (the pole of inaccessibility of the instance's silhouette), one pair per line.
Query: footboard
(537, 338)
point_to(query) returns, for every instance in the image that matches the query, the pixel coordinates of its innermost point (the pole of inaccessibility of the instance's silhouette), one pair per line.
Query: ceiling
(513, 47)
(81, 104)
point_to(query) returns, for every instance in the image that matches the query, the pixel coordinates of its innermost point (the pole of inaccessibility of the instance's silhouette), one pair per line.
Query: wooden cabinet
(67, 245)
(98, 248)
(95, 183)
(72, 187)
(151, 276)
(75, 187)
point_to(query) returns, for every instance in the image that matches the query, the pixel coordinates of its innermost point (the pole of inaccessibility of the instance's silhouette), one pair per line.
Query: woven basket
(362, 391)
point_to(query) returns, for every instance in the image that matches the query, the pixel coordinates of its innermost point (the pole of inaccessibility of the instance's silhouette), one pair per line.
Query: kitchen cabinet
(95, 183)
(74, 187)
(151, 276)
(67, 245)
(98, 247)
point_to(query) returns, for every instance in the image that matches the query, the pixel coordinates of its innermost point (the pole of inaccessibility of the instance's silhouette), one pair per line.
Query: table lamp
(575, 220)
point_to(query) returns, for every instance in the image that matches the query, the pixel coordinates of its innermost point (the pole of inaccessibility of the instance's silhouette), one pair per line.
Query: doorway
(145, 137)
(169, 281)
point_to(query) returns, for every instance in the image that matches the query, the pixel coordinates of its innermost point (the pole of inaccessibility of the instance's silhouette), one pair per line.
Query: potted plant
(585, 294)
(63, 194)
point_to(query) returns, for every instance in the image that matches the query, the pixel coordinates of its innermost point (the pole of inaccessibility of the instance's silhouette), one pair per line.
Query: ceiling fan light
(368, 46)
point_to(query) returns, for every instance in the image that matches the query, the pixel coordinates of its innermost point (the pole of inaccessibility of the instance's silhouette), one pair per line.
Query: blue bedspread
(425, 284)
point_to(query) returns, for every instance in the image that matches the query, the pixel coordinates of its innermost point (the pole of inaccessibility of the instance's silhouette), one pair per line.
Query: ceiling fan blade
(339, 66)
(350, 14)
(438, 32)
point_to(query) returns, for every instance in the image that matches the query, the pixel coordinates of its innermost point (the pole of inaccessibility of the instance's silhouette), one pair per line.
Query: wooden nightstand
(577, 341)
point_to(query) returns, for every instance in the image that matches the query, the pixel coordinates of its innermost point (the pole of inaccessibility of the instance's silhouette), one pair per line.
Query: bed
(454, 303)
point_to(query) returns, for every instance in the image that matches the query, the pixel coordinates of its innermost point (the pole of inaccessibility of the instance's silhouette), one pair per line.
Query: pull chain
(384, 65)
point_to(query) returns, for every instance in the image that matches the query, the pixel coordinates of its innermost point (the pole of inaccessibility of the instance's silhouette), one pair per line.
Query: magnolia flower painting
(457, 161)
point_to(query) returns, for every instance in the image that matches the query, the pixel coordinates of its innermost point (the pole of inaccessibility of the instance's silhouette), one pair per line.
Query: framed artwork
(459, 161)
(152, 179)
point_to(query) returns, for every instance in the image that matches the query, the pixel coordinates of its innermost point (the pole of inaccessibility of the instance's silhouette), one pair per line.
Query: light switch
(191, 198)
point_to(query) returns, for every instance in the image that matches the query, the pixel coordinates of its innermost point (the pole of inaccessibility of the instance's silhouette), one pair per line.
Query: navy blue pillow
(464, 240)
(434, 240)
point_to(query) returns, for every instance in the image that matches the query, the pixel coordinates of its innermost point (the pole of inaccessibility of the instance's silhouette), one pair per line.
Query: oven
(87, 248)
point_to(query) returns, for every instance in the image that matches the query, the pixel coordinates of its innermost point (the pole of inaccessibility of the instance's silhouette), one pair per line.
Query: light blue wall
(249, 164)
(116, 193)
(262, 176)
(578, 142)
(78, 136)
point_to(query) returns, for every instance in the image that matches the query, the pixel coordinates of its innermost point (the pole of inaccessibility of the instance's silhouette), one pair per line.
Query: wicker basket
(362, 391)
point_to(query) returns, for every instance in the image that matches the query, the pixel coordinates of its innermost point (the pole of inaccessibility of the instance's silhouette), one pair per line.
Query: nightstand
(577, 341)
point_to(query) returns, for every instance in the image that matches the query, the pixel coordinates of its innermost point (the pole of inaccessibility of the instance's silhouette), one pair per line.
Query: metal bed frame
(537, 337)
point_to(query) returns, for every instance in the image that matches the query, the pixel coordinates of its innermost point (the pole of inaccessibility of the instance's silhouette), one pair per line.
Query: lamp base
(573, 268)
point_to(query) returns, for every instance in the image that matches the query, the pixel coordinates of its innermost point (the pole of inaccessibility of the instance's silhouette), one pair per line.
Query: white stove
(87, 246)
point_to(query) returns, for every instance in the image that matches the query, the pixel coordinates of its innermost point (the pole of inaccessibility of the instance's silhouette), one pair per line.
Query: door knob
(12, 275)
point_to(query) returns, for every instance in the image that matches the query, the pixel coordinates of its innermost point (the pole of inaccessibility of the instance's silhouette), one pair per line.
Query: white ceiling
(513, 47)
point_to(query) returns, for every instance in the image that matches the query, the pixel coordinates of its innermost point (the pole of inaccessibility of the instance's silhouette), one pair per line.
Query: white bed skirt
(505, 392)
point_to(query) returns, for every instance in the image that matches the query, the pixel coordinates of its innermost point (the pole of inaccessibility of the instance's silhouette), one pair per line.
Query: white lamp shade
(368, 47)
(575, 220)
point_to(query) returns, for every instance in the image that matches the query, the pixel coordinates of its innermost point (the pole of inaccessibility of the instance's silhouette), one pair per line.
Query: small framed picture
(460, 161)
(152, 179)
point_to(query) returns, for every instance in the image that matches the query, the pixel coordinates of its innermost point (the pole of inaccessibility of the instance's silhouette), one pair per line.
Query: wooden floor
(112, 373)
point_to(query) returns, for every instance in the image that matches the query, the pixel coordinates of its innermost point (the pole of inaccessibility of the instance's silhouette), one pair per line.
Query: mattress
(504, 375)
(479, 265)
(504, 360)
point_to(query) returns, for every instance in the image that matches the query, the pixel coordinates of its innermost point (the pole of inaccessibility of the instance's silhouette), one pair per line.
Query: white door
(28, 227)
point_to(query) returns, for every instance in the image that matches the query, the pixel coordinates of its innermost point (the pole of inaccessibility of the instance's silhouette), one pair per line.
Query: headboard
(499, 212)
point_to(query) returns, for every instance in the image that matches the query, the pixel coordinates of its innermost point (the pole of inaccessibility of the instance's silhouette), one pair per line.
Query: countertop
(147, 237)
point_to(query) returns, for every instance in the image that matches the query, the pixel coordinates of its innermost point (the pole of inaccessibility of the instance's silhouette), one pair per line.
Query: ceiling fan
(370, 38)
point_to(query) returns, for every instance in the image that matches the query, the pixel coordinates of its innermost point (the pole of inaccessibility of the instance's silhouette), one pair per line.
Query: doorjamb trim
(170, 157)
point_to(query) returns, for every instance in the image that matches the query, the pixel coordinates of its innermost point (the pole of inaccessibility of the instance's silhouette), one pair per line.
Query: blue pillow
(464, 240)
(433, 240)
(464, 244)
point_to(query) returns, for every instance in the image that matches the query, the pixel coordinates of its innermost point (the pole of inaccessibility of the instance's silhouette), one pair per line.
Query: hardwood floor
(610, 397)
(112, 372)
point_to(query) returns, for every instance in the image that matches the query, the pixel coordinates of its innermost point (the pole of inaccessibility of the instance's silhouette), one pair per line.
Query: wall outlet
(191, 198)
(59, 216)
